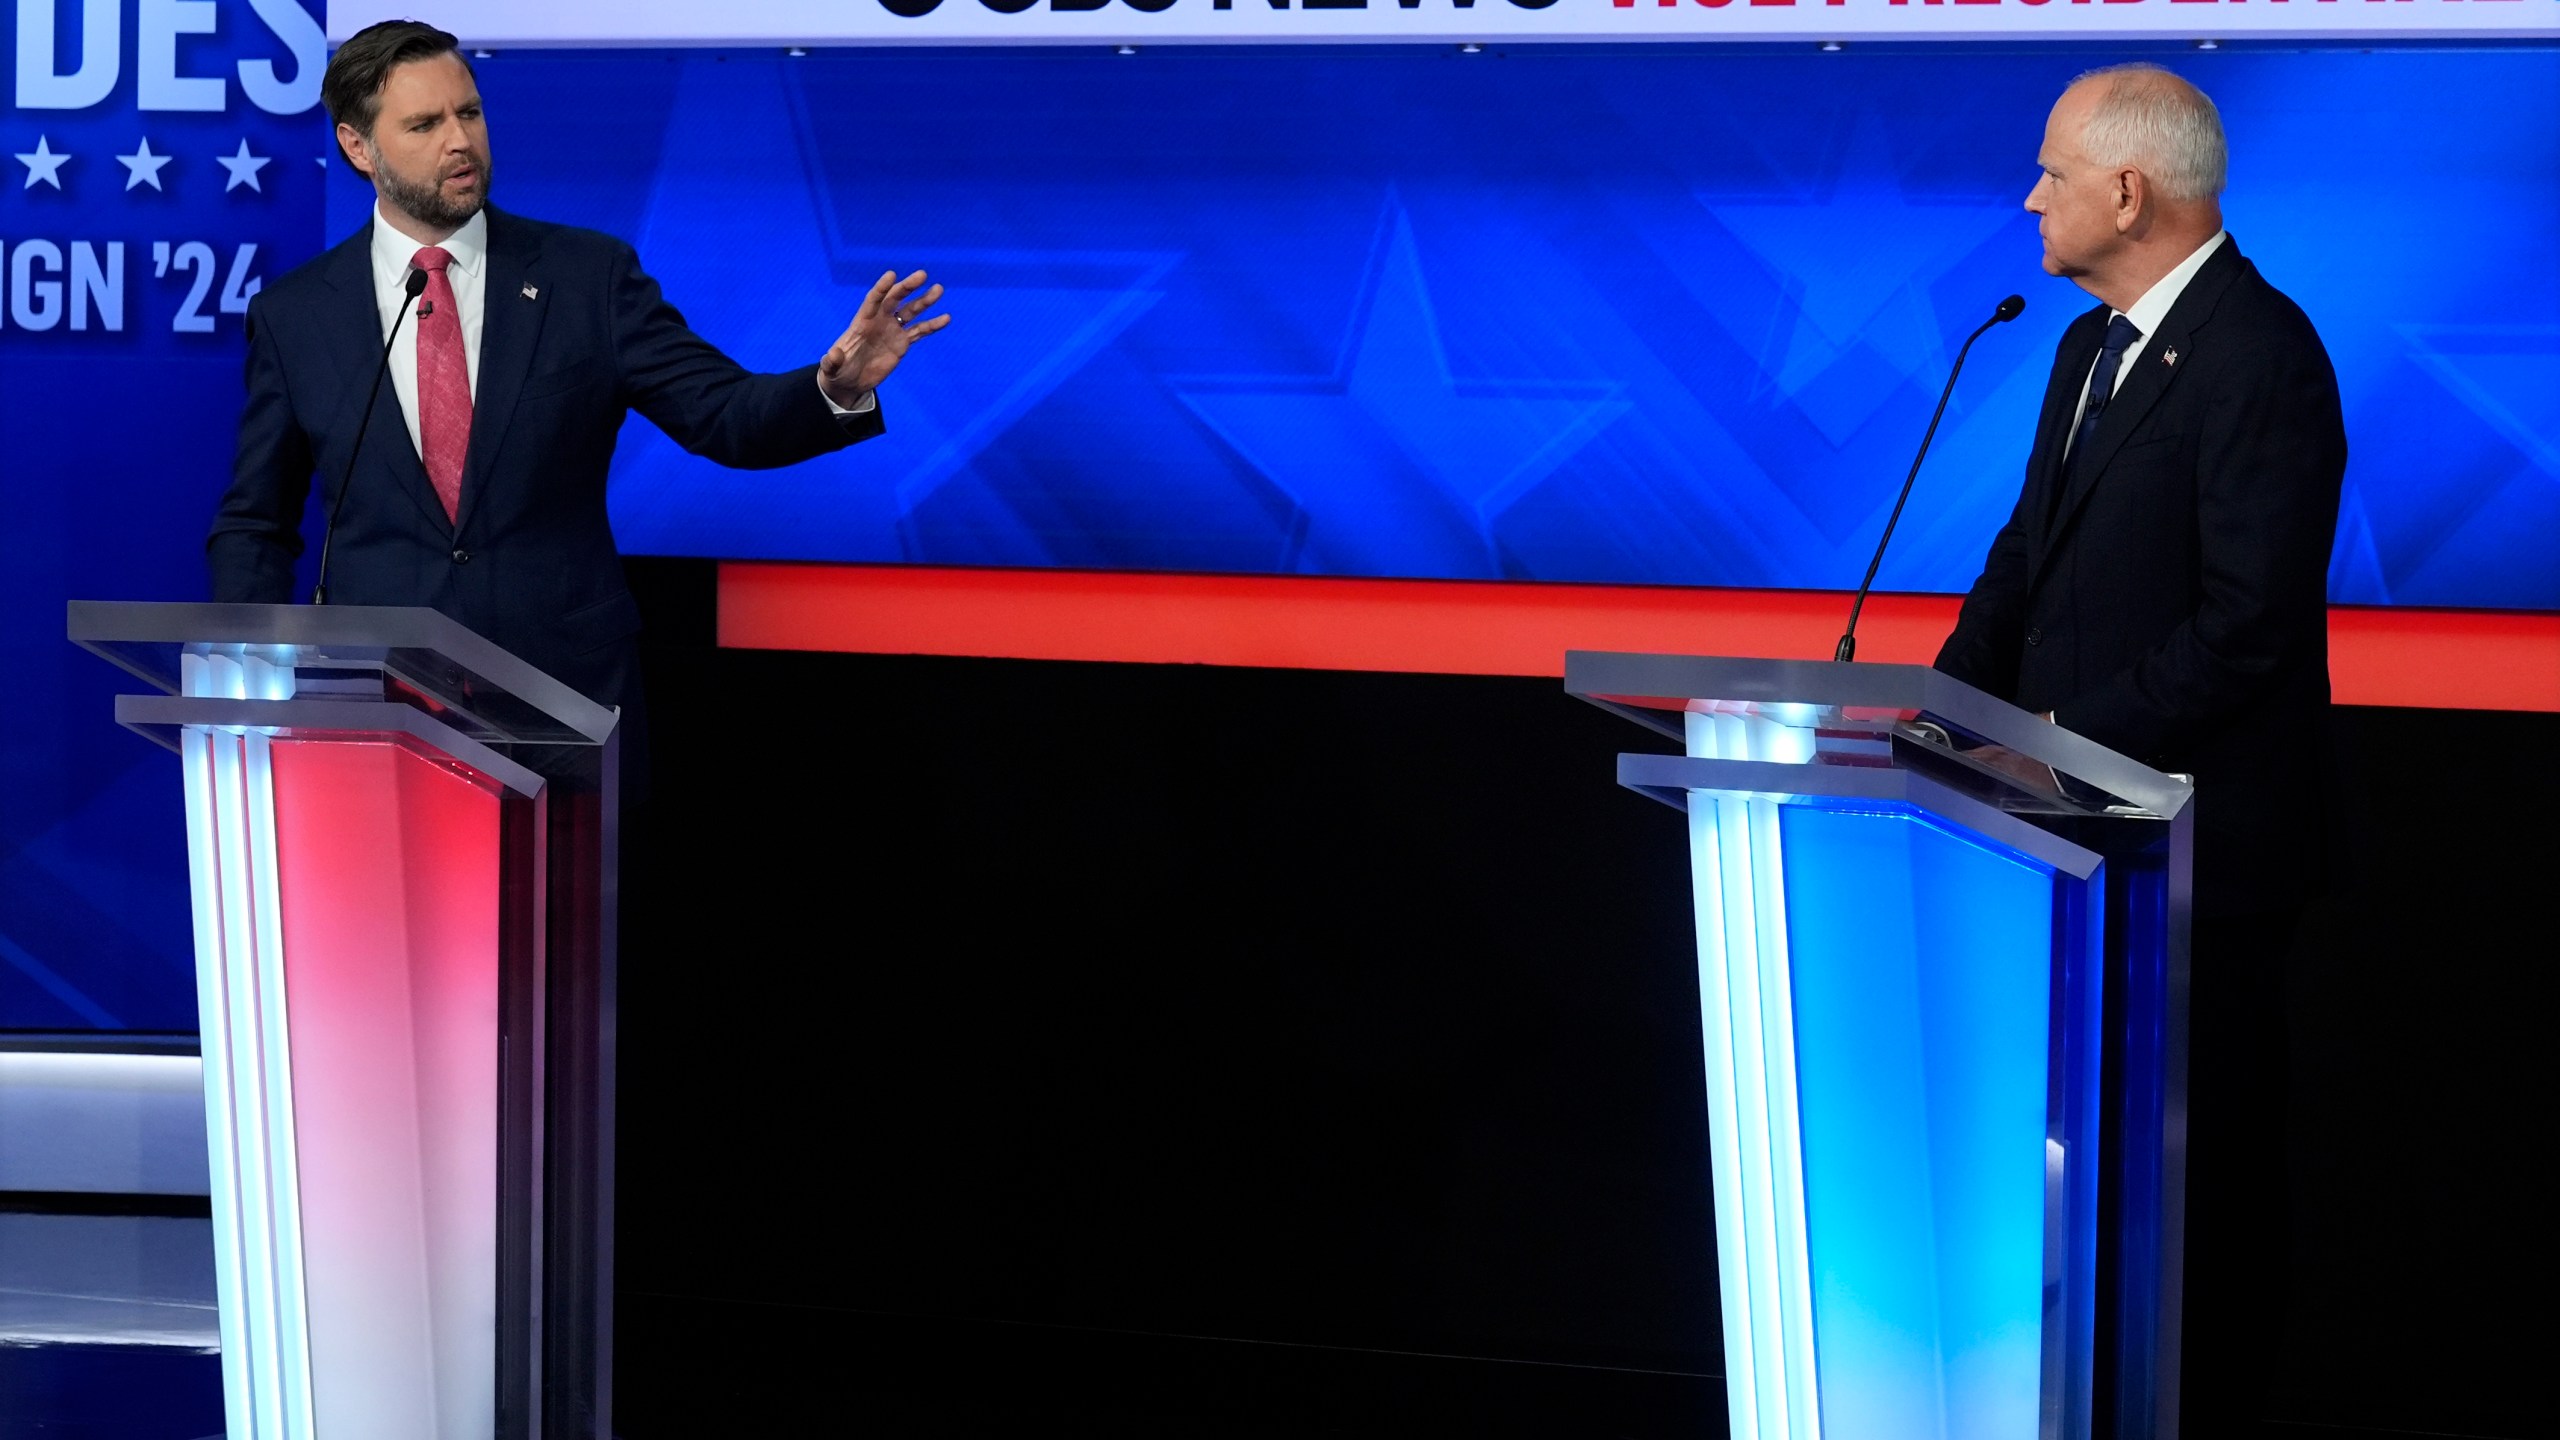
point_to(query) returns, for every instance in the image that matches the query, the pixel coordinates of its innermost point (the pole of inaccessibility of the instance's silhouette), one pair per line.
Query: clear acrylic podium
(401, 844)
(1942, 962)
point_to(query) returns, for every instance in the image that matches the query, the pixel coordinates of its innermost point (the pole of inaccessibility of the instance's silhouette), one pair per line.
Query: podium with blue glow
(402, 850)
(1942, 950)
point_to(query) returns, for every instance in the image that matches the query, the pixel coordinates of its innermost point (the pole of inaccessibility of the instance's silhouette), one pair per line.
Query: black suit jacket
(2168, 597)
(573, 336)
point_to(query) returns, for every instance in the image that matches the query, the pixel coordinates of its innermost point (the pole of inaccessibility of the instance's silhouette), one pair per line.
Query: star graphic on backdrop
(142, 167)
(244, 168)
(1034, 318)
(43, 164)
(2508, 375)
(1409, 464)
(2485, 516)
(1857, 263)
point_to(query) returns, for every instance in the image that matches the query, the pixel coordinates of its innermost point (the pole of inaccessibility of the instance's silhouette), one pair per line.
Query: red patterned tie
(444, 384)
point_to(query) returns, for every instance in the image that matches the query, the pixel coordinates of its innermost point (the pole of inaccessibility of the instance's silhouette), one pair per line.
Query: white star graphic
(43, 165)
(142, 167)
(244, 168)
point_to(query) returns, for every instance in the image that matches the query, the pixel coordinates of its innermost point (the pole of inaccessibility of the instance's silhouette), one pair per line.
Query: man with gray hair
(2161, 589)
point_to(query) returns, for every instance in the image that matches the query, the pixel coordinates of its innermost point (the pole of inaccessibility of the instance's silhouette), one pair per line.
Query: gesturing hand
(884, 325)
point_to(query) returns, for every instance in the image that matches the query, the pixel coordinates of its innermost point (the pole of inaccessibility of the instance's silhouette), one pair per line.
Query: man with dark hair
(2161, 589)
(528, 345)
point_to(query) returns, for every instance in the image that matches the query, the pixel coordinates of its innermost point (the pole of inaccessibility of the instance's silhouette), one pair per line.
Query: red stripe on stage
(1447, 627)
(2445, 659)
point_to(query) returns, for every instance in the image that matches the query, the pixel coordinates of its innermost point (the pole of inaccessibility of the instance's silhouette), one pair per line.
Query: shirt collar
(2149, 312)
(392, 251)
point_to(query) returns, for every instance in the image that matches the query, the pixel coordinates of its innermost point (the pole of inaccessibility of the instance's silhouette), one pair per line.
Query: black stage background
(1026, 1047)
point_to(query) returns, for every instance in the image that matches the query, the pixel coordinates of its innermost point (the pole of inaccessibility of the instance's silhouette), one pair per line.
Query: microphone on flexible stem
(2009, 310)
(411, 288)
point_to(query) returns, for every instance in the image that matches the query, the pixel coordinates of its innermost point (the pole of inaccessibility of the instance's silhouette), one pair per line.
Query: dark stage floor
(107, 1333)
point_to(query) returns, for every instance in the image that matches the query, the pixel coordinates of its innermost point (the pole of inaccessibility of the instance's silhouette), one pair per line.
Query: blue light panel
(1922, 964)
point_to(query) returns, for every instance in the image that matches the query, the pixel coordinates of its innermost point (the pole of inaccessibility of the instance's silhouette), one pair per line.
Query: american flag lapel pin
(531, 293)
(2167, 357)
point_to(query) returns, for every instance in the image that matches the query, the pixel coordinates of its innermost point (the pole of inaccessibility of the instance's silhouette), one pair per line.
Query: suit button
(463, 557)
(2034, 637)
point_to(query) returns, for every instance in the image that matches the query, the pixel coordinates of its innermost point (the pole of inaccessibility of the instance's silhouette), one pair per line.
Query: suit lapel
(511, 313)
(356, 341)
(2079, 350)
(2154, 371)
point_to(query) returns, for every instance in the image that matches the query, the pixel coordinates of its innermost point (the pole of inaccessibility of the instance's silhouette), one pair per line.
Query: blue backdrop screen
(146, 192)
(1660, 315)
(1651, 315)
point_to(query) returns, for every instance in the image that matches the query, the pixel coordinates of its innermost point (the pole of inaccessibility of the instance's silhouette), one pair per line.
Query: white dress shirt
(467, 272)
(2147, 315)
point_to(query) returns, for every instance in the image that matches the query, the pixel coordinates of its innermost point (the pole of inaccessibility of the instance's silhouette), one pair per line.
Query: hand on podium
(883, 326)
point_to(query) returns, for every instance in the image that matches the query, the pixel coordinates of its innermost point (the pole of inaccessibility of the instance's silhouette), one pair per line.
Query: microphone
(2009, 310)
(411, 288)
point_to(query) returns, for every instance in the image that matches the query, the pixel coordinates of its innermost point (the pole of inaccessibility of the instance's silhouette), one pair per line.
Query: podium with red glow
(401, 844)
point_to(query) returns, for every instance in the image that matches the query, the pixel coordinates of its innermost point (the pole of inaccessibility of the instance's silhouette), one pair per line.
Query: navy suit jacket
(2168, 597)
(573, 336)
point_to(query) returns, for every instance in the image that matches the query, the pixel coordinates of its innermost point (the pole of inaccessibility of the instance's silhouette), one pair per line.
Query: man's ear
(351, 145)
(2133, 195)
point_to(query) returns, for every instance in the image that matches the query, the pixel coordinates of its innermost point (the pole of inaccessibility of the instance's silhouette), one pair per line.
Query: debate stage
(1133, 905)
(1098, 1048)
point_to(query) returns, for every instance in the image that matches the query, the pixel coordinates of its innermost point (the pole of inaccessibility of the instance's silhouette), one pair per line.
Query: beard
(427, 203)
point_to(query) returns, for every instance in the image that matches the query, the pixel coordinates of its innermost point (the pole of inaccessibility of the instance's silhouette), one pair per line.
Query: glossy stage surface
(107, 1327)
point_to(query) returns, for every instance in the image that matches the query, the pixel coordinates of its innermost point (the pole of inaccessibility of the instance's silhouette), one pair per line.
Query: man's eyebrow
(422, 116)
